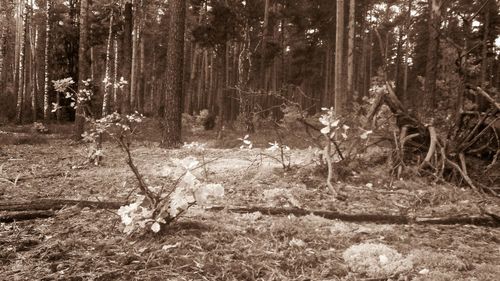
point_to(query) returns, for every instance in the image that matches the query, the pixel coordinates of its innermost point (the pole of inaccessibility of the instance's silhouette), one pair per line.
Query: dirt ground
(89, 244)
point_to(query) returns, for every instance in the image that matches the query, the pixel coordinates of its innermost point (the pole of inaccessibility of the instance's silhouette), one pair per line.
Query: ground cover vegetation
(249, 140)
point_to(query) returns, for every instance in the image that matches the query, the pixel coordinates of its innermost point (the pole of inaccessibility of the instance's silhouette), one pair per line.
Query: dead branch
(488, 98)
(432, 147)
(372, 218)
(57, 204)
(21, 216)
(467, 179)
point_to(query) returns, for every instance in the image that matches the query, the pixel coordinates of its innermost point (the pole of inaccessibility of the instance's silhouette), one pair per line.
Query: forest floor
(89, 244)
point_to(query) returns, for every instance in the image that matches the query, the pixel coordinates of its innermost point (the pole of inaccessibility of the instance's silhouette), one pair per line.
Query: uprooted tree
(439, 152)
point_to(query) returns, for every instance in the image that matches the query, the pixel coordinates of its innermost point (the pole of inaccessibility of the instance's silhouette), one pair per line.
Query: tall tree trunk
(3, 41)
(83, 67)
(435, 14)
(483, 76)
(127, 58)
(406, 51)
(175, 56)
(46, 76)
(133, 75)
(350, 51)
(339, 56)
(107, 78)
(222, 87)
(21, 62)
(116, 99)
(264, 44)
(142, 79)
(33, 71)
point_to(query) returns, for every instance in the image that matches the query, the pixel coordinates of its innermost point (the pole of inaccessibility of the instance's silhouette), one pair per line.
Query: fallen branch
(371, 218)
(488, 98)
(462, 173)
(21, 216)
(56, 204)
(43, 176)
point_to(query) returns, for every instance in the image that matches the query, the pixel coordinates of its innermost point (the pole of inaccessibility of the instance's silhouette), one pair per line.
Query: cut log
(56, 204)
(490, 220)
(21, 216)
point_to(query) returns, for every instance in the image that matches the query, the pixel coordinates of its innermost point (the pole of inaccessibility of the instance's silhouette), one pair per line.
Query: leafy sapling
(247, 143)
(284, 154)
(284, 157)
(187, 191)
(200, 148)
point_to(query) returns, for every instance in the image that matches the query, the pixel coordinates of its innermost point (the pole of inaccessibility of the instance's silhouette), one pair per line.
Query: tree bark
(435, 14)
(350, 52)
(46, 76)
(21, 61)
(33, 72)
(339, 56)
(116, 99)
(483, 79)
(83, 67)
(127, 58)
(133, 75)
(107, 78)
(175, 56)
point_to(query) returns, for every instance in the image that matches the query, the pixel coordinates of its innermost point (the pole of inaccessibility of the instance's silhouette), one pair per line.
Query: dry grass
(85, 244)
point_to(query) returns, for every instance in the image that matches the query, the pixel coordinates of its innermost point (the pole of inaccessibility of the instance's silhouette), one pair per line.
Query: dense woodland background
(240, 59)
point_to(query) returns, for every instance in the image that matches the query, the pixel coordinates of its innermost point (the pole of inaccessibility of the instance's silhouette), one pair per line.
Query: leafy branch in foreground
(155, 206)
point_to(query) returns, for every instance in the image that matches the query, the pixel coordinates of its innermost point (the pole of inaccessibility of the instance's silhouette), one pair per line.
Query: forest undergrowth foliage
(337, 141)
(154, 206)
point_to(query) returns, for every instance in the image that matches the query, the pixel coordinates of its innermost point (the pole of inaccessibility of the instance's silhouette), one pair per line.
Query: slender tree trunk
(339, 56)
(264, 43)
(142, 80)
(46, 75)
(435, 13)
(397, 62)
(483, 76)
(116, 100)
(3, 41)
(406, 51)
(350, 51)
(33, 70)
(107, 78)
(363, 68)
(134, 68)
(175, 56)
(153, 87)
(83, 67)
(127, 58)
(22, 63)
(222, 87)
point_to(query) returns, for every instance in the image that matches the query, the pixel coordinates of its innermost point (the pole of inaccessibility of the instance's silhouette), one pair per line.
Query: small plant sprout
(198, 147)
(247, 143)
(364, 135)
(284, 153)
(329, 121)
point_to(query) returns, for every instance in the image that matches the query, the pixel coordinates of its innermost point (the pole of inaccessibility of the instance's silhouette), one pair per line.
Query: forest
(249, 139)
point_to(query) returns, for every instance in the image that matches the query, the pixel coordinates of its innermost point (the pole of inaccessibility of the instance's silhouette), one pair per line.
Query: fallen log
(56, 204)
(487, 220)
(25, 215)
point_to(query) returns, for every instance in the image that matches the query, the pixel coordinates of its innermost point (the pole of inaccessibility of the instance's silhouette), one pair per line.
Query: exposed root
(432, 148)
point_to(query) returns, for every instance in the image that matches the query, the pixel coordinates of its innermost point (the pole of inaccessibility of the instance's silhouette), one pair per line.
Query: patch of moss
(376, 260)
